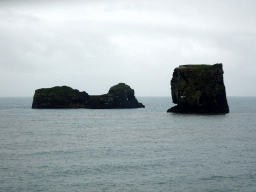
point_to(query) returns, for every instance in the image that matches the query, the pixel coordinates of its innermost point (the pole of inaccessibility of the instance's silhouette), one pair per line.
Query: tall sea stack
(199, 89)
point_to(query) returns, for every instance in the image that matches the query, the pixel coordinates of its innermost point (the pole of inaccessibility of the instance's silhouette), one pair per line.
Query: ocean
(127, 149)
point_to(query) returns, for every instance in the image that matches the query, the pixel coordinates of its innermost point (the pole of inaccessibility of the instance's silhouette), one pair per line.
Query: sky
(91, 45)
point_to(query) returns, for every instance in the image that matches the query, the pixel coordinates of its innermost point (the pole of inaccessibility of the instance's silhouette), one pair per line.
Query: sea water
(127, 149)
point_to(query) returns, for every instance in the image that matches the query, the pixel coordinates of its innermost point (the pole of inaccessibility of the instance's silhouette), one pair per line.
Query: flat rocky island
(119, 96)
(199, 89)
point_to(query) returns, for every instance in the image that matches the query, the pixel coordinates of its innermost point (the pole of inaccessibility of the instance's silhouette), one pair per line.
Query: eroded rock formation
(119, 96)
(199, 89)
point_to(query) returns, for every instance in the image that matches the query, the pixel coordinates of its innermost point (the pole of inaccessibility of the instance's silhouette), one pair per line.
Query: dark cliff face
(199, 89)
(119, 96)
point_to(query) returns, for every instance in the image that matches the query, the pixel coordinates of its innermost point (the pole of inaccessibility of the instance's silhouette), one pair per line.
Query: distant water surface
(127, 149)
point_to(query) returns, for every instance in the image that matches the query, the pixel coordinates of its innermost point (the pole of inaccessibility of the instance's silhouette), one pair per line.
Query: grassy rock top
(57, 91)
(200, 67)
(119, 87)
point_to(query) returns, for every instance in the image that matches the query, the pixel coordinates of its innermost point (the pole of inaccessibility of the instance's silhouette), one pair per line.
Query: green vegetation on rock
(200, 67)
(119, 87)
(58, 90)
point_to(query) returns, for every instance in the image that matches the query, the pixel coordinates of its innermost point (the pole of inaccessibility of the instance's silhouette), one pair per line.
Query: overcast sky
(91, 45)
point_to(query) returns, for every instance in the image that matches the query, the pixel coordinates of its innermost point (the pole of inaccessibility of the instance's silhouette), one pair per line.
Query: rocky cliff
(119, 96)
(199, 89)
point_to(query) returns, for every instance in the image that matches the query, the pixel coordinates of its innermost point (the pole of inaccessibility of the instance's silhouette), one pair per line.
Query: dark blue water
(127, 149)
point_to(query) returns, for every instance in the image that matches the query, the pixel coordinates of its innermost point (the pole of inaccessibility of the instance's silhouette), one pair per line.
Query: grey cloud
(98, 52)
